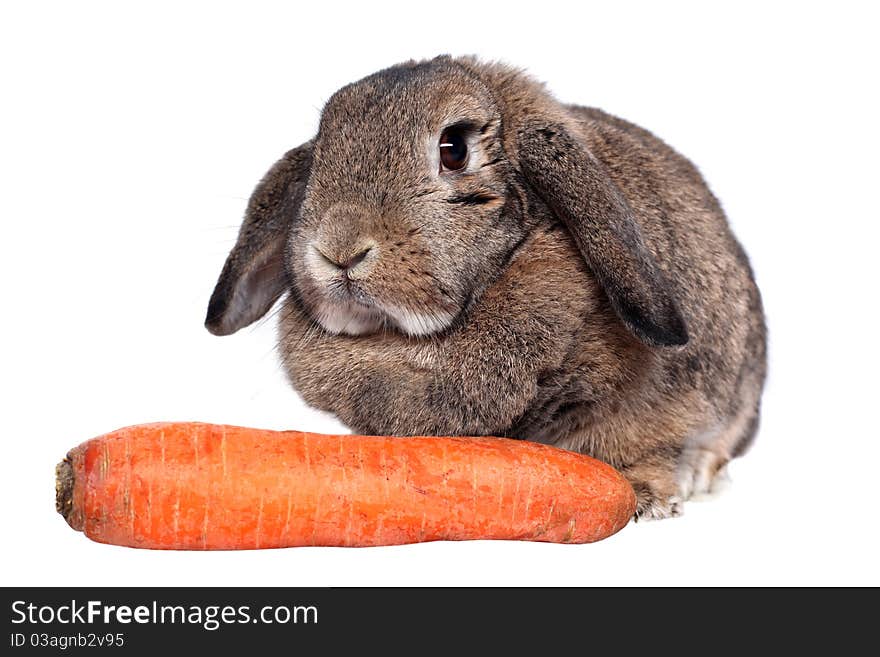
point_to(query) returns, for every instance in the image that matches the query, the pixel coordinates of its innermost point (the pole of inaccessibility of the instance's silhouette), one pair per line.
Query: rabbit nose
(346, 263)
(356, 259)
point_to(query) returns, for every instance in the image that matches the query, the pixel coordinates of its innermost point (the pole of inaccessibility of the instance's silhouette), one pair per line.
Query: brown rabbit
(464, 255)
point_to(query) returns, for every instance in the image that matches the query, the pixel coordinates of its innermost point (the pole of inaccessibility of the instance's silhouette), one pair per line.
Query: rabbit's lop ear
(575, 185)
(253, 275)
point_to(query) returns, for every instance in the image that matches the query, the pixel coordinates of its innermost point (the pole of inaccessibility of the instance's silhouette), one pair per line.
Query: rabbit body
(575, 283)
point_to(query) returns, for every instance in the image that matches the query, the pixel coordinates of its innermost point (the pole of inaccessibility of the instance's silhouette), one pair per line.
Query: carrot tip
(64, 480)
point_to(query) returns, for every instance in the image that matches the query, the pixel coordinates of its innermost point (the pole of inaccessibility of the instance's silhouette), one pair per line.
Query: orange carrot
(193, 486)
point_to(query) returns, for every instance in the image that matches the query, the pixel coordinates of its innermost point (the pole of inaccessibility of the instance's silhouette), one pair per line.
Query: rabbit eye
(453, 150)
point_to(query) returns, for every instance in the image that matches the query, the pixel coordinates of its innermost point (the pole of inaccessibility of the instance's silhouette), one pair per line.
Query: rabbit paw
(701, 474)
(657, 508)
(657, 499)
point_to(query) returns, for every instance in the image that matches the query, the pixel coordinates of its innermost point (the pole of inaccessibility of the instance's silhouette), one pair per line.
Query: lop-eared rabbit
(461, 254)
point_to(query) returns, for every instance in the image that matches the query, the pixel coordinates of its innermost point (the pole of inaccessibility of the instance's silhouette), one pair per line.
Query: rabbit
(462, 254)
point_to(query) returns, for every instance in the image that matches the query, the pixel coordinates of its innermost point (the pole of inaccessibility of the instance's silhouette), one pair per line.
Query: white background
(131, 139)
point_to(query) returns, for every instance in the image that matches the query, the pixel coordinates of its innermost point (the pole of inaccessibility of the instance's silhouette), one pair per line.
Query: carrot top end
(64, 481)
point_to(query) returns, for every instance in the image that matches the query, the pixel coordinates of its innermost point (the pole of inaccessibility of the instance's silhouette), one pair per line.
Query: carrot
(193, 486)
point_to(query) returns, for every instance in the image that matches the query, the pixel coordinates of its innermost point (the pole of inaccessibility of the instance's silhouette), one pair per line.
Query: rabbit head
(413, 195)
(403, 216)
